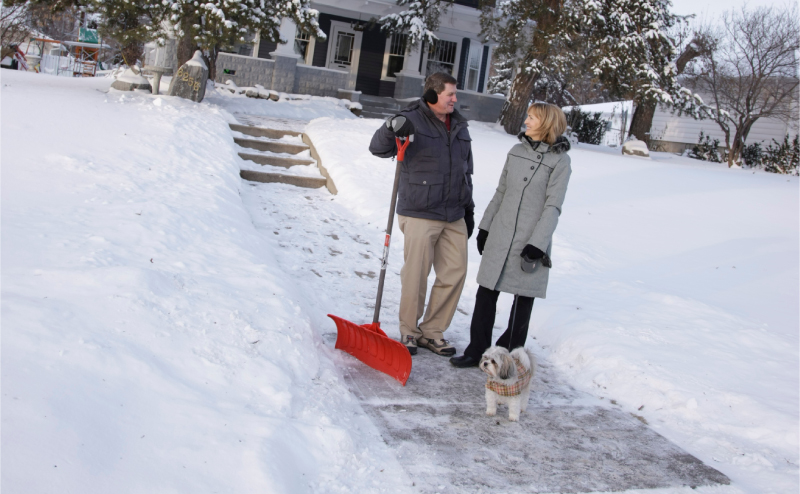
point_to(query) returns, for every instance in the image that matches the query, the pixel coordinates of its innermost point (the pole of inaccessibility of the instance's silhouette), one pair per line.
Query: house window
(301, 42)
(397, 53)
(441, 57)
(473, 67)
(343, 54)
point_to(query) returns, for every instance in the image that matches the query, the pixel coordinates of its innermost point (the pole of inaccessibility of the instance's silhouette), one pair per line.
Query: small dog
(508, 381)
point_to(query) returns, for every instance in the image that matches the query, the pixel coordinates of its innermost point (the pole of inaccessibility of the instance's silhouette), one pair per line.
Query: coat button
(533, 167)
(424, 182)
(525, 179)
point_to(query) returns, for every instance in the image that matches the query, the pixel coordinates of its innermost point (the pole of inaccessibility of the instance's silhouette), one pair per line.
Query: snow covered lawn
(155, 340)
(150, 340)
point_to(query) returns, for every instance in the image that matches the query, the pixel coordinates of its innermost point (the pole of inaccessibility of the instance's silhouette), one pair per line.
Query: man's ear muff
(430, 96)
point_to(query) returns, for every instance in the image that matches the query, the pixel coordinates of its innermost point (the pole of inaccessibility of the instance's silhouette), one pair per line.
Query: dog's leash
(513, 323)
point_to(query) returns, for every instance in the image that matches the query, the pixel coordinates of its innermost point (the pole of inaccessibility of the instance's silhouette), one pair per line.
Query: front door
(344, 47)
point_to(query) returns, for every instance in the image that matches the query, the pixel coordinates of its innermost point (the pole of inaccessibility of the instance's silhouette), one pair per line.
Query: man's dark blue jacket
(436, 176)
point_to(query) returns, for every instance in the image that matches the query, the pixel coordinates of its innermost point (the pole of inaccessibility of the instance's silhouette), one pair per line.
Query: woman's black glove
(531, 253)
(482, 236)
(400, 125)
(469, 219)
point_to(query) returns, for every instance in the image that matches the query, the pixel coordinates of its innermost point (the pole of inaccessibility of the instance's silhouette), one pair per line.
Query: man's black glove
(469, 219)
(531, 252)
(400, 125)
(482, 236)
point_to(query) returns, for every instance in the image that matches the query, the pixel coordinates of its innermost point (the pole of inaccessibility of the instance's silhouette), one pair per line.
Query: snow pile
(150, 341)
(674, 291)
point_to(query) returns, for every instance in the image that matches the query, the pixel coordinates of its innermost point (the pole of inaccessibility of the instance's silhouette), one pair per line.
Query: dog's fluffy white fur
(498, 363)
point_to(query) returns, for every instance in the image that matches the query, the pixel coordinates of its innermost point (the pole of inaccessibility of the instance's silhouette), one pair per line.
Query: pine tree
(419, 21)
(217, 24)
(534, 34)
(636, 57)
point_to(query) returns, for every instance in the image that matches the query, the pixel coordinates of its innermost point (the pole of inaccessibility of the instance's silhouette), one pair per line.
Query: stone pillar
(285, 58)
(409, 82)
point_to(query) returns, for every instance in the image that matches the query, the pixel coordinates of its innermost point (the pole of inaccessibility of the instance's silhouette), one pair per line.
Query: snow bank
(150, 342)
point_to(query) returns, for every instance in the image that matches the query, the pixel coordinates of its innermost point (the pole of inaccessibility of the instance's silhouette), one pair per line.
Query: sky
(713, 8)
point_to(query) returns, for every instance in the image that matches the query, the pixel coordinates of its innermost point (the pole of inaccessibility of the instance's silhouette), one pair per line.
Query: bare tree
(752, 72)
(13, 26)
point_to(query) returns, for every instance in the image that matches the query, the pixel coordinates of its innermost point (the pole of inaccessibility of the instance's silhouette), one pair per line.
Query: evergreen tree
(217, 24)
(534, 35)
(419, 22)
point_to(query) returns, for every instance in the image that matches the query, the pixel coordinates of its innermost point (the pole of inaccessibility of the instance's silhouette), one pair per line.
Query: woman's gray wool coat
(524, 210)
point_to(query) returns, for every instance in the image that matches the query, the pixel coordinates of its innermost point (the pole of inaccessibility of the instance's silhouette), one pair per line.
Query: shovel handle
(401, 154)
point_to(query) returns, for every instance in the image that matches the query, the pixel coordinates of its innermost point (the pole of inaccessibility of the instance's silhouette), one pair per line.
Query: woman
(517, 228)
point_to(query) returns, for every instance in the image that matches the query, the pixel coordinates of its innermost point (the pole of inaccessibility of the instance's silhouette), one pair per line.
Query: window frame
(387, 53)
(444, 37)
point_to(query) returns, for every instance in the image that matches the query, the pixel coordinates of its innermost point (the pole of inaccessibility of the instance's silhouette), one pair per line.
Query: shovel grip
(401, 147)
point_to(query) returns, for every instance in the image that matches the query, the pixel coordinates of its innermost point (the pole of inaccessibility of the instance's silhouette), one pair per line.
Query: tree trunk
(516, 106)
(211, 61)
(642, 121)
(186, 45)
(131, 53)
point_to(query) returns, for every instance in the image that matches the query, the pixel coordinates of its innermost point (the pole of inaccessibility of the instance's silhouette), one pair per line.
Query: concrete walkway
(567, 441)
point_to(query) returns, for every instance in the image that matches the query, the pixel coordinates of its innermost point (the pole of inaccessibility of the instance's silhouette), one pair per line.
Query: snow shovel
(367, 342)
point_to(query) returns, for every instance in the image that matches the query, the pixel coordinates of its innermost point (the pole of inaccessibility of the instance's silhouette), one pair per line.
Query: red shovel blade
(369, 344)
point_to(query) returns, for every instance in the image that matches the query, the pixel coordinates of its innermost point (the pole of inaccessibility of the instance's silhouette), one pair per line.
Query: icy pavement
(567, 441)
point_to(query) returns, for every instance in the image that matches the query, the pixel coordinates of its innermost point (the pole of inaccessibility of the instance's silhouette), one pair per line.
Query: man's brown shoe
(440, 347)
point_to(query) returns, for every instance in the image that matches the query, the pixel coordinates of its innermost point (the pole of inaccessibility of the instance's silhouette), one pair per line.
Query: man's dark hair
(437, 81)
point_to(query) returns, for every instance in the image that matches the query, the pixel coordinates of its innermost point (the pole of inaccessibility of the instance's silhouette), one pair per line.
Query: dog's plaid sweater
(523, 379)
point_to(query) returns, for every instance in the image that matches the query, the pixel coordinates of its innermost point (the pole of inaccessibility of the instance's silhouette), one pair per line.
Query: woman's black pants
(480, 332)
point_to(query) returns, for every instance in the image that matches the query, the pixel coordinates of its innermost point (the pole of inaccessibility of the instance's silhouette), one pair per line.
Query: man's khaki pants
(442, 245)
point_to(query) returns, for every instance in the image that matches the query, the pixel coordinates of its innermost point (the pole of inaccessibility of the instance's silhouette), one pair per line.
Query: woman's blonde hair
(552, 121)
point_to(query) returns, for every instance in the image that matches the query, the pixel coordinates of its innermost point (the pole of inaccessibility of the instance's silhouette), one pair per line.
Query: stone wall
(249, 71)
(283, 74)
(318, 81)
(479, 106)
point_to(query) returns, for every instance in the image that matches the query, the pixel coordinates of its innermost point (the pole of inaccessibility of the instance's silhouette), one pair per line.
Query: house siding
(669, 127)
(370, 63)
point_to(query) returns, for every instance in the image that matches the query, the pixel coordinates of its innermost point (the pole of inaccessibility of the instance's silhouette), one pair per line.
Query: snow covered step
(282, 161)
(272, 146)
(263, 132)
(296, 180)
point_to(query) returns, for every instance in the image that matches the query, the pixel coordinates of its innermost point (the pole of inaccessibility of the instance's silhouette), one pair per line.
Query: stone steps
(271, 146)
(280, 161)
(296, 180)
(263, 132)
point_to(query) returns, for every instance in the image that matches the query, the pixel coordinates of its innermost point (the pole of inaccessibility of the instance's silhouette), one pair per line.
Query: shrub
(706, 149)
(782, 157)
(752, 155)
(589, 128)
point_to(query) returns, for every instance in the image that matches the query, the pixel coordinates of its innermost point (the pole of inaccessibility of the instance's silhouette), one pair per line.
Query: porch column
(287, 31)
(411, 62)
(408, 82)
(283, 73)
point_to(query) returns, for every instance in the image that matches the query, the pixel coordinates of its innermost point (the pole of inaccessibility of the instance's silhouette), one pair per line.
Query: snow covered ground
(164, 329)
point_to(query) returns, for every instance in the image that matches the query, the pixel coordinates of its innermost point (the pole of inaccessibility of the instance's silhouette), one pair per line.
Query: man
(434, 209)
